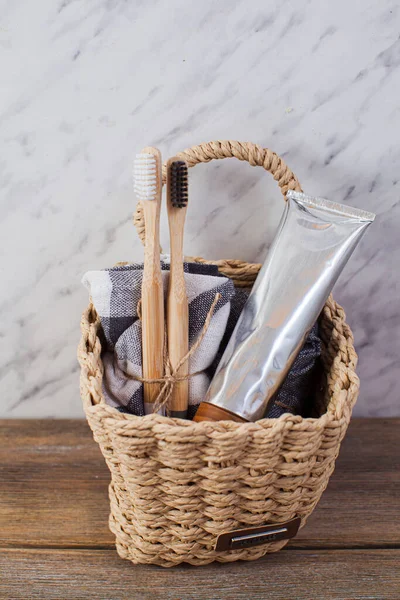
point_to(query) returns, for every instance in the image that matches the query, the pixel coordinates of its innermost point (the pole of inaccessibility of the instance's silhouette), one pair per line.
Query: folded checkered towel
(115, 294)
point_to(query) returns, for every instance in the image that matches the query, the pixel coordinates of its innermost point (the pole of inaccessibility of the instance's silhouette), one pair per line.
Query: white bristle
(145, 176)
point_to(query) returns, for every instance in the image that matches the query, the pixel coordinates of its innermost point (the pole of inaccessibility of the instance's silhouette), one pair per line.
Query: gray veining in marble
(86, 84)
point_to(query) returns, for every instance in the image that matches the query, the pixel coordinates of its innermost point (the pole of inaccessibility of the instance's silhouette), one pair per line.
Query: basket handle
(254, 154)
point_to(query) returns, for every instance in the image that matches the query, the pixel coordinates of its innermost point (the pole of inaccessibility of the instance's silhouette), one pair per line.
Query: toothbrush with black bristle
(148, 187)
(177, 305)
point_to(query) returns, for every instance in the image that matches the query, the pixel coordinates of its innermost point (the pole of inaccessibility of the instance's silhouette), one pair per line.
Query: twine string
(171, 377)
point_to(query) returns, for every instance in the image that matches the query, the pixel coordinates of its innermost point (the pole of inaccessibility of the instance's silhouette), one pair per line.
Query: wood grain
(177, 302)
(300, 575)
(54, 488)
(53, 482)
(56, 544)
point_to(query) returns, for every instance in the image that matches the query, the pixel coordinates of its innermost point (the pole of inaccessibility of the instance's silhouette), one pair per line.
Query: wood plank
(54, 488)
(361, 504)
(301, 575)
(53, 482)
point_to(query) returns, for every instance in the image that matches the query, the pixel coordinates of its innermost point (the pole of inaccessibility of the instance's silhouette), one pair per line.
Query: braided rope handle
(255, 155)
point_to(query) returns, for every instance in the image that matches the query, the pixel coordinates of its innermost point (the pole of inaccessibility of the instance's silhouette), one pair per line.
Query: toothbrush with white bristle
(148, 188)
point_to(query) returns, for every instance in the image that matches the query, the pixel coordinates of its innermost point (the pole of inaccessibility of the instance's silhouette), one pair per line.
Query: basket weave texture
(175, 484)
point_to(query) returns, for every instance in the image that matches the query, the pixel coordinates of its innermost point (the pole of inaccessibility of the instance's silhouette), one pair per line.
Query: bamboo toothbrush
(148, 187)
(177, 308)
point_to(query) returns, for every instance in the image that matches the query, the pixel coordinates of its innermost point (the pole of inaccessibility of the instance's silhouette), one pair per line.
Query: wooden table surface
(55, 541)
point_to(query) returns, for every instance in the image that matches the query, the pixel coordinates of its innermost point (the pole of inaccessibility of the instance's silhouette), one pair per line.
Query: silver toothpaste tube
(314, 241)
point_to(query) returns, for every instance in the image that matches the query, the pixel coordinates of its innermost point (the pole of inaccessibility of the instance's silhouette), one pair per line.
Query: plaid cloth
(116, 292)
(296, 393)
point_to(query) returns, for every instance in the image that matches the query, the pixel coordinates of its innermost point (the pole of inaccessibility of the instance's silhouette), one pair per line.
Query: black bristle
(179, 184)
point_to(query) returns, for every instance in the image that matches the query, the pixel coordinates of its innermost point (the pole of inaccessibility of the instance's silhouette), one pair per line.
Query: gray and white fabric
(115, 294)
(297, 392)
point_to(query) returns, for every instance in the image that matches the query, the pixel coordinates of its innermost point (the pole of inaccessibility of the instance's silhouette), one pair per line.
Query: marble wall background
(85, 84)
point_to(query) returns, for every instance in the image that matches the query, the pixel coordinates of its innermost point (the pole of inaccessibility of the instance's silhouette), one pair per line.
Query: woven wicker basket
(176, 485)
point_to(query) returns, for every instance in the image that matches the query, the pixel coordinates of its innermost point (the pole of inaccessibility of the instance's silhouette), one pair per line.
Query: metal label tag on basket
(255, 536)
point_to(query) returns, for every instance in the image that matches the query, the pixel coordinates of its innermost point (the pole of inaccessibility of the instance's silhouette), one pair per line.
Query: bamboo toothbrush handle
(152, 312)
(178, 333)
(152, 286)
(178, 314)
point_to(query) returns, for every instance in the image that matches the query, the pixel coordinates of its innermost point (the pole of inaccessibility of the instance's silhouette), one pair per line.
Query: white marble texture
(85, 84)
